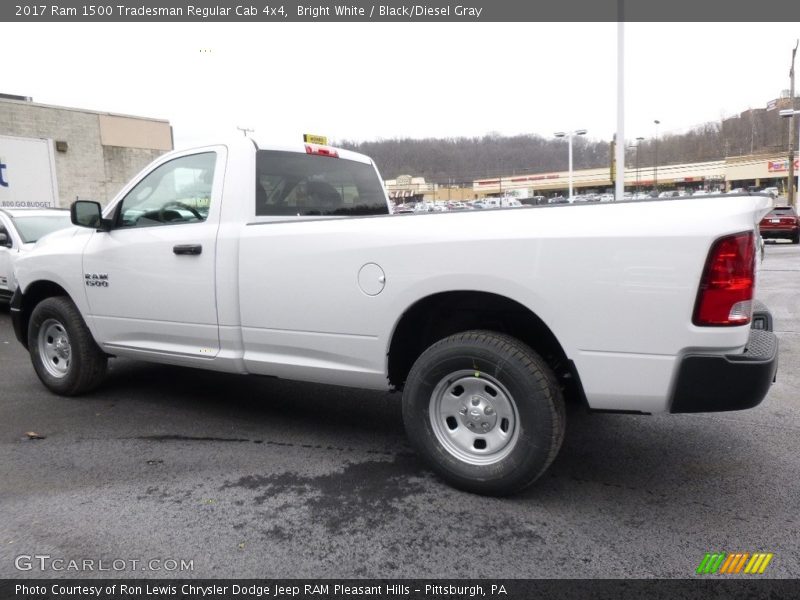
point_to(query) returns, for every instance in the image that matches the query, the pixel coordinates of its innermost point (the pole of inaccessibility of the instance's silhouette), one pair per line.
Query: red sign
(533, 178)
(775, 166)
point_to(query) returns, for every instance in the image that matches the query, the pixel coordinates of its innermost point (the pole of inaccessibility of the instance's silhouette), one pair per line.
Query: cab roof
(299, 147)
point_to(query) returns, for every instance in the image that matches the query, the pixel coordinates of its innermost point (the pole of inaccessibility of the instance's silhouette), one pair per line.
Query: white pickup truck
(285, 262)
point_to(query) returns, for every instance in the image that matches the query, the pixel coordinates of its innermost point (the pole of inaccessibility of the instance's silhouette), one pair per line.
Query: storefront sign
(776, 166)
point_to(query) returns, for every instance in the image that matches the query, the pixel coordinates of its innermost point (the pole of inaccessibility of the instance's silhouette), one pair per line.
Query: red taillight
(726, 289)
(321, 151)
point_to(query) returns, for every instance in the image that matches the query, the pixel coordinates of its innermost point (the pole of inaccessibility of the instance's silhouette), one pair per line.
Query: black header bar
(281, 11)
(701, 588)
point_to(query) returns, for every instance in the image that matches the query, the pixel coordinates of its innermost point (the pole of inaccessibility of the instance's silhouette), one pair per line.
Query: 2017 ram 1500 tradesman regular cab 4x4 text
(287, 263)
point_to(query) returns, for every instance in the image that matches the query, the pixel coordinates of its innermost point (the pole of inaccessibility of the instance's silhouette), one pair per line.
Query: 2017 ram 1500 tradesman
(287, 263)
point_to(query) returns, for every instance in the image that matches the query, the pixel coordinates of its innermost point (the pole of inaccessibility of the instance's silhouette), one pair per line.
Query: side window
(178, 191)
(297, 184)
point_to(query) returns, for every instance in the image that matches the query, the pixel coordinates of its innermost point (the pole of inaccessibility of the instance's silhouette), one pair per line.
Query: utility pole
(612, 163)
(569, 135)
(619, 183)
(655, 167)
(639, 141)
(792, 198)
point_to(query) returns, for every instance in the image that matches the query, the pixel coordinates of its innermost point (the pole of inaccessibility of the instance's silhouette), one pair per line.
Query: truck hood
(52, 256)
(44, 240)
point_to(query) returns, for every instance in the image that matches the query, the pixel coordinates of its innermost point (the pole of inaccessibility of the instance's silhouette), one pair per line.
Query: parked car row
(592, 198)
(771, 191)
(511, 202)
(483, 203)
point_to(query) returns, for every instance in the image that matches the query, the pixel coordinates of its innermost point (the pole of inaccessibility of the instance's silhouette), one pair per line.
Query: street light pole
(655, 166)
(632, 147)
(639, 141)
(792, 197)
(791, 114)
(569, 135)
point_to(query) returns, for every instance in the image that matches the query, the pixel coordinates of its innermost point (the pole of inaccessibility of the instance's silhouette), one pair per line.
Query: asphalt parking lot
(253, 477)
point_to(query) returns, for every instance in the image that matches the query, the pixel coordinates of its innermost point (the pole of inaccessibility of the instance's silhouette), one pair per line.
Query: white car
(20, 228)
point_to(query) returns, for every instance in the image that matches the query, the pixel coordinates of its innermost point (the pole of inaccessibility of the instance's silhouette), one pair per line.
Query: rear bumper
(779, 232)
(715, 383)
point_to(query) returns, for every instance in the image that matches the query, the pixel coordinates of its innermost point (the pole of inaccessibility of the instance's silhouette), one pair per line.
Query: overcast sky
(385, 80)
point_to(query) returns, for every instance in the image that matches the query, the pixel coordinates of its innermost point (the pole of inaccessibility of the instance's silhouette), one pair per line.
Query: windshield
(32, 228)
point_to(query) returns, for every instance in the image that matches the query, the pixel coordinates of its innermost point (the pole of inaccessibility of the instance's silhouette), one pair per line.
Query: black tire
(796, 238)
(63, 351)
(496, 373)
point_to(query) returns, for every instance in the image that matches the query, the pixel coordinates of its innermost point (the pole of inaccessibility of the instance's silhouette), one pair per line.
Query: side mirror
(87, 213)
(5, 242)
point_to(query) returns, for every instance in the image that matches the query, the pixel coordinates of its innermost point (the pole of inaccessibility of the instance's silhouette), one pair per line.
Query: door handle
(191, 249)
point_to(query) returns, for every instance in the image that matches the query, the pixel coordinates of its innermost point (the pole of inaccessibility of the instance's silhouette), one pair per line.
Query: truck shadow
(253, 398)
(662, 459)
(648, 455)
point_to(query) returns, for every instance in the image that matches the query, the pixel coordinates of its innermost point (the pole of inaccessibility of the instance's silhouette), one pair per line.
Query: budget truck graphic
(27, 173)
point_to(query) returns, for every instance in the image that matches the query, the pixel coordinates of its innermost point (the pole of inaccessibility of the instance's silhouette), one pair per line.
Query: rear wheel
(796, 237)
(485, 410)
(63, 352)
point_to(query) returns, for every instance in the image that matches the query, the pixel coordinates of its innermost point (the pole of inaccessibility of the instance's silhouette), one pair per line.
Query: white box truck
(27, 173)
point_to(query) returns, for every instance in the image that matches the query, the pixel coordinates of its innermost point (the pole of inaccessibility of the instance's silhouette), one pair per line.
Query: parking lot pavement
(253, 477)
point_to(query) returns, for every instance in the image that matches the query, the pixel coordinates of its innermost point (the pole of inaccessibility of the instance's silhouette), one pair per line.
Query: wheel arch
(439, 315)
(24, 303)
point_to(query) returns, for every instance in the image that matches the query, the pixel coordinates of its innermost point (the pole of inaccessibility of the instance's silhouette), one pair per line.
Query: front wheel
(486, 412)
(63, 352)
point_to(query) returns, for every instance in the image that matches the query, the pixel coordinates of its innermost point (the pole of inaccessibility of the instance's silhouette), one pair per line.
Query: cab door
(150, 280)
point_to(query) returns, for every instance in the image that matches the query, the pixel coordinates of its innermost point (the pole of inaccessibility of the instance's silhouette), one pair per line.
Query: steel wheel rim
(474, 417)
(54, 347)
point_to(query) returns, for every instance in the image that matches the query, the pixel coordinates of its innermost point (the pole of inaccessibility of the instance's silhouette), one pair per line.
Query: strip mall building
(760, 170)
